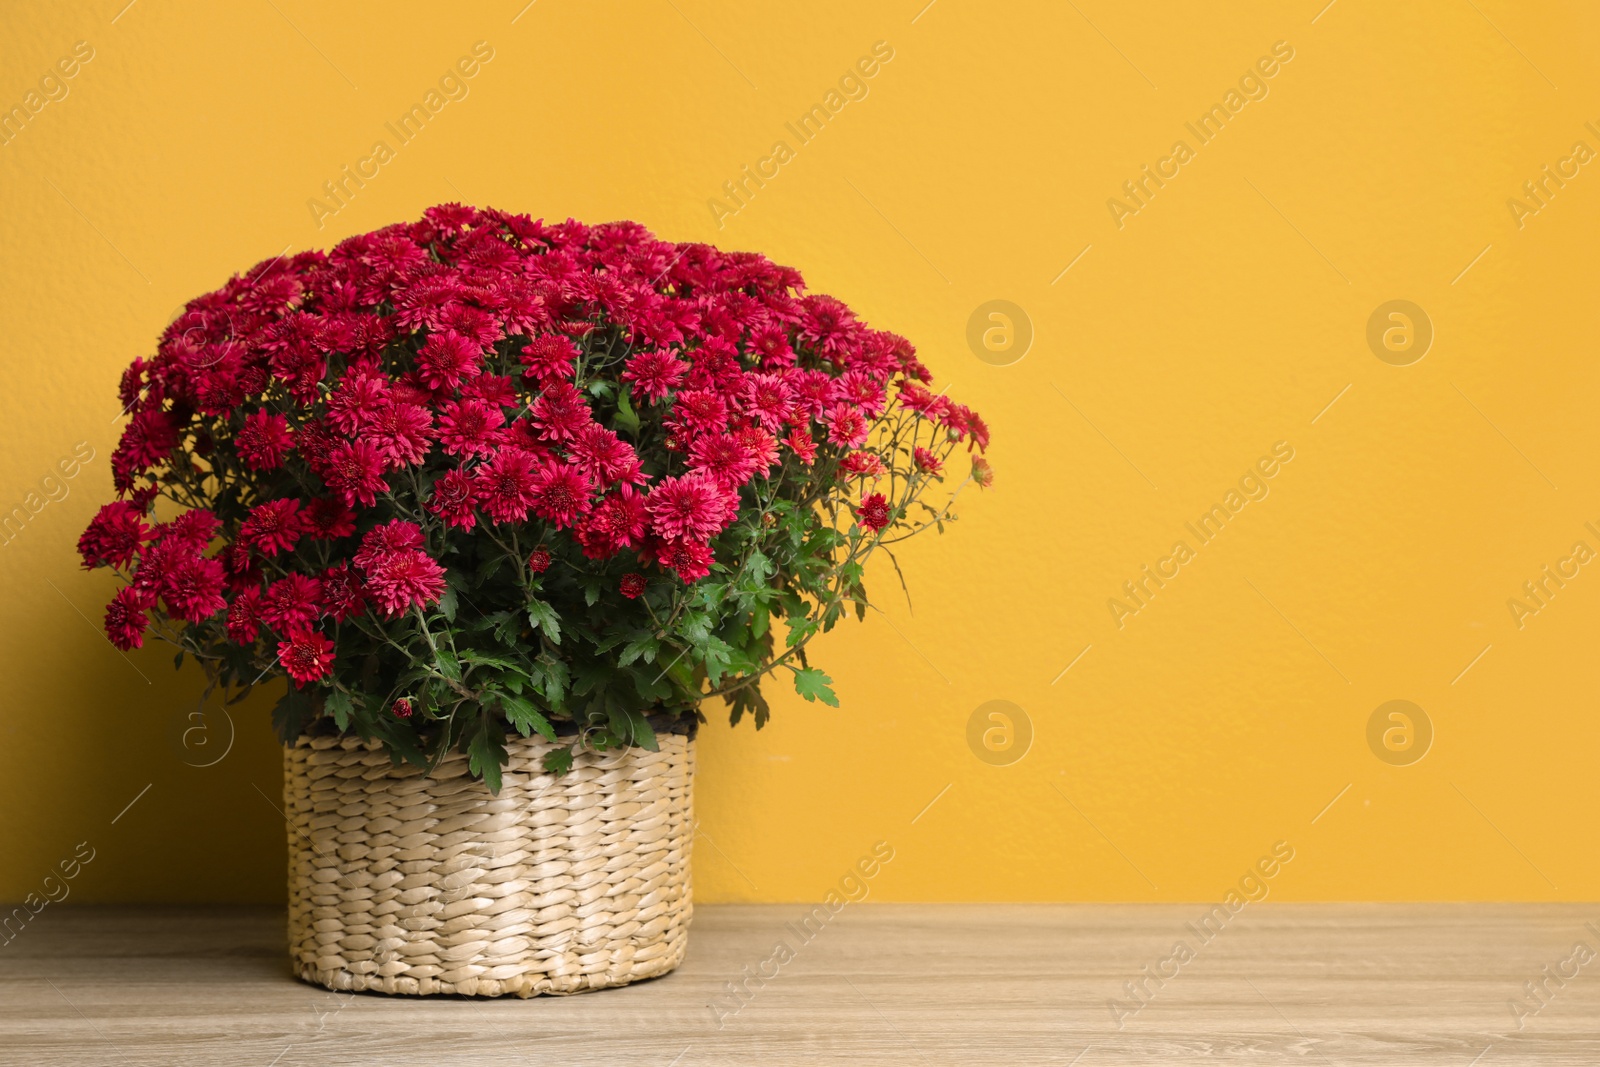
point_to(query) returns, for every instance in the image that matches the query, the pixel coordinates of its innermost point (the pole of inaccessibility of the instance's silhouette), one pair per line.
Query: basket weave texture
(413, 884)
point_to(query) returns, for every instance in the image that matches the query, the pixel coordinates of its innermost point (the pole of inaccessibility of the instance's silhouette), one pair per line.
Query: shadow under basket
(401, 883)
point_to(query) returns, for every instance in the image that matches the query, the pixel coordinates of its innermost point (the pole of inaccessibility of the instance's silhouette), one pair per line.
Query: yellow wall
(1221, 318)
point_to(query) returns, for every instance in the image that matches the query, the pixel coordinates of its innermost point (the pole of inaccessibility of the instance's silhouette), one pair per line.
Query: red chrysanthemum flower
(306, 656)
(473, 323)
(560, 412)
(632, 586)
(550, 358)
(155, 560)
(560, 494)
(715, 366)
(356, 400)
(504, 485)
(827, 324)
(446, 358)
(691, 506)
(847, 428)
(926, 461)
(539, 560)
(126, 619)
(772, 342)
(264, 440)
(604, 456)
(698, 411)
(300, 368)
(803, 445)
(241, 566)
(690, 560)
(471, 427)
(982, 473)
(978, 429)
(761, 445)
(493, 389)
(132, 383)
(396, 535)
(956, 421)
(455, 500)
(400, 433)
(768, 398)
(342, 595)
(524, 435)
(315, 441)
(244, 617)
(862, 464)
(272, 527)
(401, 580)
(329, 518)
(723, 457)
(860, 390)
(194, 530)
(813, 391)
(151, 434)
(355, 471)
(114, 535)
(654, 374)
(401, 709)
(873, 512)
(619, 522)
(192, 590)
(915, 397)
(291, 602)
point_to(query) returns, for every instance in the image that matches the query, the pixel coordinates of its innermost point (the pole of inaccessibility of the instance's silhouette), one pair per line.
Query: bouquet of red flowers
(479, 473)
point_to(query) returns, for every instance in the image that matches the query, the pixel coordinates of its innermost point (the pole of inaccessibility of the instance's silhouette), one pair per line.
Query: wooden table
(929, 985)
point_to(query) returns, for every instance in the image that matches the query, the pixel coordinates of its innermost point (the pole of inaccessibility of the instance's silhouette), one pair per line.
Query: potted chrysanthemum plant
(507, 503)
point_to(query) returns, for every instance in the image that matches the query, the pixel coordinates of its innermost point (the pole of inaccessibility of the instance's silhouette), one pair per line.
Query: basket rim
(663, 725)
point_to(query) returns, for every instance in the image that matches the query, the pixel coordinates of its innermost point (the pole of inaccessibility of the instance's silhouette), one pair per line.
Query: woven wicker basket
(401, 883)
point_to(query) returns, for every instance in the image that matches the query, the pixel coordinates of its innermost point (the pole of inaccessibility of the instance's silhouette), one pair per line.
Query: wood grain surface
(1342, 984)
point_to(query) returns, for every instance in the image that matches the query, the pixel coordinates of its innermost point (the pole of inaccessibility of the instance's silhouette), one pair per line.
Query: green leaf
(812, 684)
(641, 733)
(289, 715)
(555, 679)
(800, 628)
(400, 739)
(474, 656)
(485, 754)
(339, 706)
(490, 565)
(625, 418)
(447, 604)
(757, 569)
(448, 665)
(682, 672)
(525, 717)
(558, 761)
(748, 699)
(651, 684)
(643, 646)
(543, 617)
(591, 678)
(696, 626)
(506, 626)
(717, 656)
